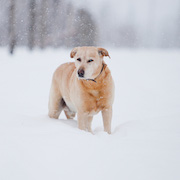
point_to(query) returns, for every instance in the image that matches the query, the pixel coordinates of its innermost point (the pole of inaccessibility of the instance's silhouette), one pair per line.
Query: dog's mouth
(81, 77)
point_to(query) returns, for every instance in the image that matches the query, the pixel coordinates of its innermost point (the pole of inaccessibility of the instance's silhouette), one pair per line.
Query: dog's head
(88, 61)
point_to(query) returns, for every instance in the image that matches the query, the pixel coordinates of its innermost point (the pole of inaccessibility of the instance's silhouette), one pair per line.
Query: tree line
(46, 23)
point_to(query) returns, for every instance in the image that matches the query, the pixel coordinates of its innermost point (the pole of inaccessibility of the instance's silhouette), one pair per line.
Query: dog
(85, 87)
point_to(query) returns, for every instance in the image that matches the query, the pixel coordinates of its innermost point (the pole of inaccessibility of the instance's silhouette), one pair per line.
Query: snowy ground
(144, 145)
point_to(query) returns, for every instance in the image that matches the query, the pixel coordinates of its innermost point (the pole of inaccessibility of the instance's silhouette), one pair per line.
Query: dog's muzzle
(81, 73)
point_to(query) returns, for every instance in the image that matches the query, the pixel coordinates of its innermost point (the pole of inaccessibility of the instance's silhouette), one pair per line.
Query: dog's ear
(73, 52)
(103, 52)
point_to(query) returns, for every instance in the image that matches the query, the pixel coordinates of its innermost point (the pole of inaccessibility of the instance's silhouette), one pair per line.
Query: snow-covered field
(145, 140)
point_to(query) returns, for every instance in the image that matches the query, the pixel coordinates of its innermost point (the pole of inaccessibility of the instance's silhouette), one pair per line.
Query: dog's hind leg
(69, 114)
(56, 103)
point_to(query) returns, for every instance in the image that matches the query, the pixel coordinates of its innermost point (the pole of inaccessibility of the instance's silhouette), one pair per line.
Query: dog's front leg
(107, 116)
(88, 123)
(82, 119)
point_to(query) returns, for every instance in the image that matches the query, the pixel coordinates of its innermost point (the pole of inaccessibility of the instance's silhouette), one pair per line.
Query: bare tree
(86, 30)
(32, 15)
(12, 34)
(69, 26)
(43, 23)
(178, 29)
(49, 23)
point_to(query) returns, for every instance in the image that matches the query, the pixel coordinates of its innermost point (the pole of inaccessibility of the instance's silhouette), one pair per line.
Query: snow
(145, 140)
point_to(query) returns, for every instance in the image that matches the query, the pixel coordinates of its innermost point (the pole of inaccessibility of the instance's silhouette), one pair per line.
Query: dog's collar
(97, 76)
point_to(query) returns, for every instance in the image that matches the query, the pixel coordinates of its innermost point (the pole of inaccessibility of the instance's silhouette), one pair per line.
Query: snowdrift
(145, 140)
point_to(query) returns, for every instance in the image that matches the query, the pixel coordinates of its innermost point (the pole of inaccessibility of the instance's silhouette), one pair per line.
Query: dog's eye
(79, 59)
(91, 60)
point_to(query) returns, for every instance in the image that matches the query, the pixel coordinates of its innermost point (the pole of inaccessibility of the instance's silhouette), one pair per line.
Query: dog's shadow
(69, 122)
(119, 129)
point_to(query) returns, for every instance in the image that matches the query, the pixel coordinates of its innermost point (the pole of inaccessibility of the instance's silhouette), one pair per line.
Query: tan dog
(85, 87)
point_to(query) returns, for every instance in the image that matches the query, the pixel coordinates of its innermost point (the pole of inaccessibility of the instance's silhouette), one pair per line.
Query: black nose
(81, 73)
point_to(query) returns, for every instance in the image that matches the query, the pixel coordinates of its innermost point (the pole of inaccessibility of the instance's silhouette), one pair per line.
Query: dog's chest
(95, 101)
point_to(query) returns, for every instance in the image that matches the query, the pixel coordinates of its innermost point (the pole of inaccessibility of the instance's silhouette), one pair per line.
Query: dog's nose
(81, 73)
